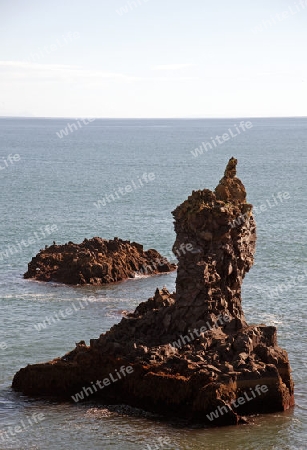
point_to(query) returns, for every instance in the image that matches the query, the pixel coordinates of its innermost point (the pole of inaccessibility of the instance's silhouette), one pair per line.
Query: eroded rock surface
(96, 261)
(192, 352)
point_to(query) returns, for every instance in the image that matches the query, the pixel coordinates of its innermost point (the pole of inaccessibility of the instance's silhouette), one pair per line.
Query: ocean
(67, 186)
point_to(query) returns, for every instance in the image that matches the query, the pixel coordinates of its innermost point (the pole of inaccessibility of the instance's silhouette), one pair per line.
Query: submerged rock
(189, 354)
(96, 261)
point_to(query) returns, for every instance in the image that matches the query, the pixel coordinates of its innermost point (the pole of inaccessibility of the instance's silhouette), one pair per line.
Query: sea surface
(50, 188)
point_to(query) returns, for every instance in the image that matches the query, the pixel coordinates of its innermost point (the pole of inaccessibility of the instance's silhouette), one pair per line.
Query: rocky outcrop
(96, 261)
(189, 354)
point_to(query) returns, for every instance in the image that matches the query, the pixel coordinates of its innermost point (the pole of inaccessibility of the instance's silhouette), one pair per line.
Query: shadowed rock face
(192, 352)
(96, 261)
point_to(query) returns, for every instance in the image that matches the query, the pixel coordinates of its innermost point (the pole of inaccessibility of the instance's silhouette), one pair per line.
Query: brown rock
(193, 354)
(96, 261)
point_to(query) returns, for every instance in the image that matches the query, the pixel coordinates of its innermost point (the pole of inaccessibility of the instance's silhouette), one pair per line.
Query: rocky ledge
(189, 354)
(96, 261)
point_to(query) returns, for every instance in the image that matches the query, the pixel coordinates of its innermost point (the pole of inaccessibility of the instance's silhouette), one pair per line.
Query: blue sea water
(56, 183)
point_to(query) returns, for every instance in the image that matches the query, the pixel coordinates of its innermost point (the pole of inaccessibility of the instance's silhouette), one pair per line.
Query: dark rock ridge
(96, 261)
(192, 353)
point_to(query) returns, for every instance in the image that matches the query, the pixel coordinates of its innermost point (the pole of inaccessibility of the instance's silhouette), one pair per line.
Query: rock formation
(96, 261)
(189, 354)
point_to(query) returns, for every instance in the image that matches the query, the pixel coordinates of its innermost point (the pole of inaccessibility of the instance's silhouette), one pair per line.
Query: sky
(153, 58)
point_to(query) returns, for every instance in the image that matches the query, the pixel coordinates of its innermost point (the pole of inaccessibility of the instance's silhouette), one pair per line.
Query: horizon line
(153, 118)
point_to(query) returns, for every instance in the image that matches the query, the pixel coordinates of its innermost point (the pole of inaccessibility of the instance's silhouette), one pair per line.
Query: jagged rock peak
(210, 277)
(230, 188)
(231, 168)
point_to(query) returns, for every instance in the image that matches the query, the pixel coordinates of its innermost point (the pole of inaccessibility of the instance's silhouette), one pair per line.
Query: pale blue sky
(153, 58)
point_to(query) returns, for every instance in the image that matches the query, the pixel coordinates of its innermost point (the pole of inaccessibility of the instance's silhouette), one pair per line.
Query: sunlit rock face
(210, 277)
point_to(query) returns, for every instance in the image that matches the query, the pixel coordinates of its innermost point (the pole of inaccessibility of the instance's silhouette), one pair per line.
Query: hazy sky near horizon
(153, 58)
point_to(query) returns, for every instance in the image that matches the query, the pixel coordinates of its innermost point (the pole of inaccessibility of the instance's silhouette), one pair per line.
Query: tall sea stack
(189, 354)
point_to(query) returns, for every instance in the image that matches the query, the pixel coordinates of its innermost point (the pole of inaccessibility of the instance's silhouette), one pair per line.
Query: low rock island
(96, 261)
(189, 354)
